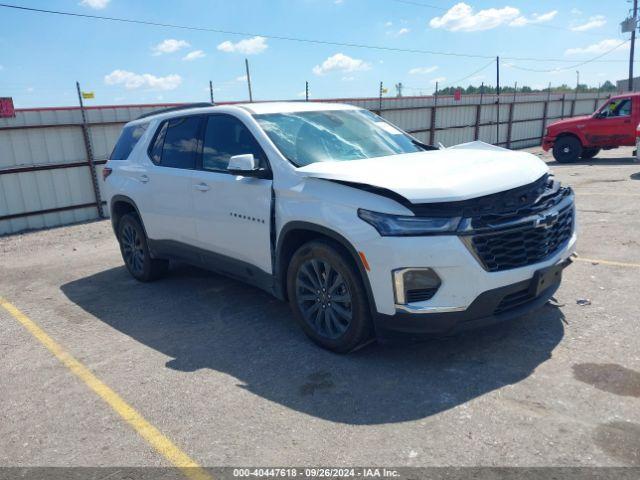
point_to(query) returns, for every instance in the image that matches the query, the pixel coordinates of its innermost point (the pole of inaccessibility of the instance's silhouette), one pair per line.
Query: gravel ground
(222, 370)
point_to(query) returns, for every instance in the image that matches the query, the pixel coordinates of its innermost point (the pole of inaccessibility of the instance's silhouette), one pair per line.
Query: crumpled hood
(462, 172)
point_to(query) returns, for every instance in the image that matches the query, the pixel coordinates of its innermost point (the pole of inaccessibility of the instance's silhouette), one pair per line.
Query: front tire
(589, 153)
(135, 251)
(567, 149)
(328, 298)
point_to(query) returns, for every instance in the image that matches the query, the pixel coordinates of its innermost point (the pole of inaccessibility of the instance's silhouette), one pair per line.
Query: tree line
(606, 87)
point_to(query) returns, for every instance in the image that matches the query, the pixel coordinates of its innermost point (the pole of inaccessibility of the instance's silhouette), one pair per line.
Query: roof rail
(186, 106)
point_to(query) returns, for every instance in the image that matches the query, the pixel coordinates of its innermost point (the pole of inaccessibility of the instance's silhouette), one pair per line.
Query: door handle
(144, 178)
(203, 187)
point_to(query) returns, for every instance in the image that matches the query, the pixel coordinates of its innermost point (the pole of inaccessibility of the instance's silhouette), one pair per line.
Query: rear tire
(328, 298)
(567, 149)
(135, 251)
(588, 153)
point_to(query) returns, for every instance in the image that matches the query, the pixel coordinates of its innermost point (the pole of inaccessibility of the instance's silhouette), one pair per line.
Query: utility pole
(497, 100)
(306, 91)
(633, 44)
(399, 89)
(211, 90)
(577, 82)
(246, 64)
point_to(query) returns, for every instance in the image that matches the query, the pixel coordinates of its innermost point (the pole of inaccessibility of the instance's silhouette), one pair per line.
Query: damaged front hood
(462, 172)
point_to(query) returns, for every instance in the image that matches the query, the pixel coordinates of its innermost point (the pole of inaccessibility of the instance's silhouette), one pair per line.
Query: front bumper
(490, 307)
(547, 143)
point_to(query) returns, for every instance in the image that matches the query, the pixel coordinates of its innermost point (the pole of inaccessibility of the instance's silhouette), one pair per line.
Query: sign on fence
(6, 107)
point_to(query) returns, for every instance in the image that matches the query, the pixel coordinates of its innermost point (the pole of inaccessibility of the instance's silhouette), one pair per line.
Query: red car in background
(612, 125)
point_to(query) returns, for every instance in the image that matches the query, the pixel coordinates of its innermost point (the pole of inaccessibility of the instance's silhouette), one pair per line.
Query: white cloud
(402, 31)
(422, 70)
(461, 17)
(388, 24)
(438, 79)
(97, 4)
(338, 2)
(249, 46)
(348, 78)
(341, 63)
(194, 55)
(242, 78)
(521, 21)
(169, 45)
(132, 81)
(597, 48)
(593, 22)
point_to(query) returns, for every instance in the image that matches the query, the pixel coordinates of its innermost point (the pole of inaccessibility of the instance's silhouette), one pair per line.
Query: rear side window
(176, 143)
(128, 139)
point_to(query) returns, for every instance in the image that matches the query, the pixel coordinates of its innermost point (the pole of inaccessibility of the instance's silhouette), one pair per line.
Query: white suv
(362, 228)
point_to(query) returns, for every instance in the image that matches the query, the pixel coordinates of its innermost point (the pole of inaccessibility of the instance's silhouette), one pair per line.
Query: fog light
(415, 285)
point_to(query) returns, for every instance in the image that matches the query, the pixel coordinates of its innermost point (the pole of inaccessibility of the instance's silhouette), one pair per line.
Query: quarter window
(127, 141)
(224, 137)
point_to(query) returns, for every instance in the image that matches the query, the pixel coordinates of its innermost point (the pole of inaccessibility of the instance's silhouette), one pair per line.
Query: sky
(43, 55)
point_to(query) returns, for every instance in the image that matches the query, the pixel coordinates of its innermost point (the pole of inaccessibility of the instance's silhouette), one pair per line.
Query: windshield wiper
(423, 146)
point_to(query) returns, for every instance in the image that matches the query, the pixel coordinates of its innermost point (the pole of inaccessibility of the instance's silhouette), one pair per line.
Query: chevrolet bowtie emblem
(546, 220)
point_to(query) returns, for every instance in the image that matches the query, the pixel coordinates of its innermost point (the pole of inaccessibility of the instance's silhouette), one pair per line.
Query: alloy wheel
(324, 299)
(132, 249)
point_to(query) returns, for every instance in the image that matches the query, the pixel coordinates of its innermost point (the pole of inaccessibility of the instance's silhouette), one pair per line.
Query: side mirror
(246, 165)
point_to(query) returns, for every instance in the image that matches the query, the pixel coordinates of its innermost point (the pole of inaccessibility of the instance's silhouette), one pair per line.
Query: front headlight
(403, 226)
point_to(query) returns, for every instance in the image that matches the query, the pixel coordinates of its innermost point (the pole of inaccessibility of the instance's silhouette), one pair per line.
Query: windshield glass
(334, 135)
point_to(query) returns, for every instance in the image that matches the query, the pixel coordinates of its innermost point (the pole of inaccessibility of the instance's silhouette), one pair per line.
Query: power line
(454, 83)
(277, 37)
(571, 67)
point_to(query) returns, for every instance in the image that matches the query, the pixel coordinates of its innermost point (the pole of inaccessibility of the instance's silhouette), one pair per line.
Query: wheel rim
(323, 298)
(132, 250)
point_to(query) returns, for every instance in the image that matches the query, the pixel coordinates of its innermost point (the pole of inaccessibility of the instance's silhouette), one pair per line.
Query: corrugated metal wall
(45, 178)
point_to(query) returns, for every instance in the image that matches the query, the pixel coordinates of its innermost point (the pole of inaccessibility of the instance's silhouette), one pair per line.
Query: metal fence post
(573, 107)
(545, 112)
(90, 159)
(510, 124)
(432, 128)
(476, 133)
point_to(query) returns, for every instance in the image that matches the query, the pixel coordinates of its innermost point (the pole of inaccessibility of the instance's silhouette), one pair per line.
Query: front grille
(523, 245)
(420, 295)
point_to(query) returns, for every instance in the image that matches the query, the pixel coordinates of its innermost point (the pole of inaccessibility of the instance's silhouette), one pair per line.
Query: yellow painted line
(608, 262)
(151, 434)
